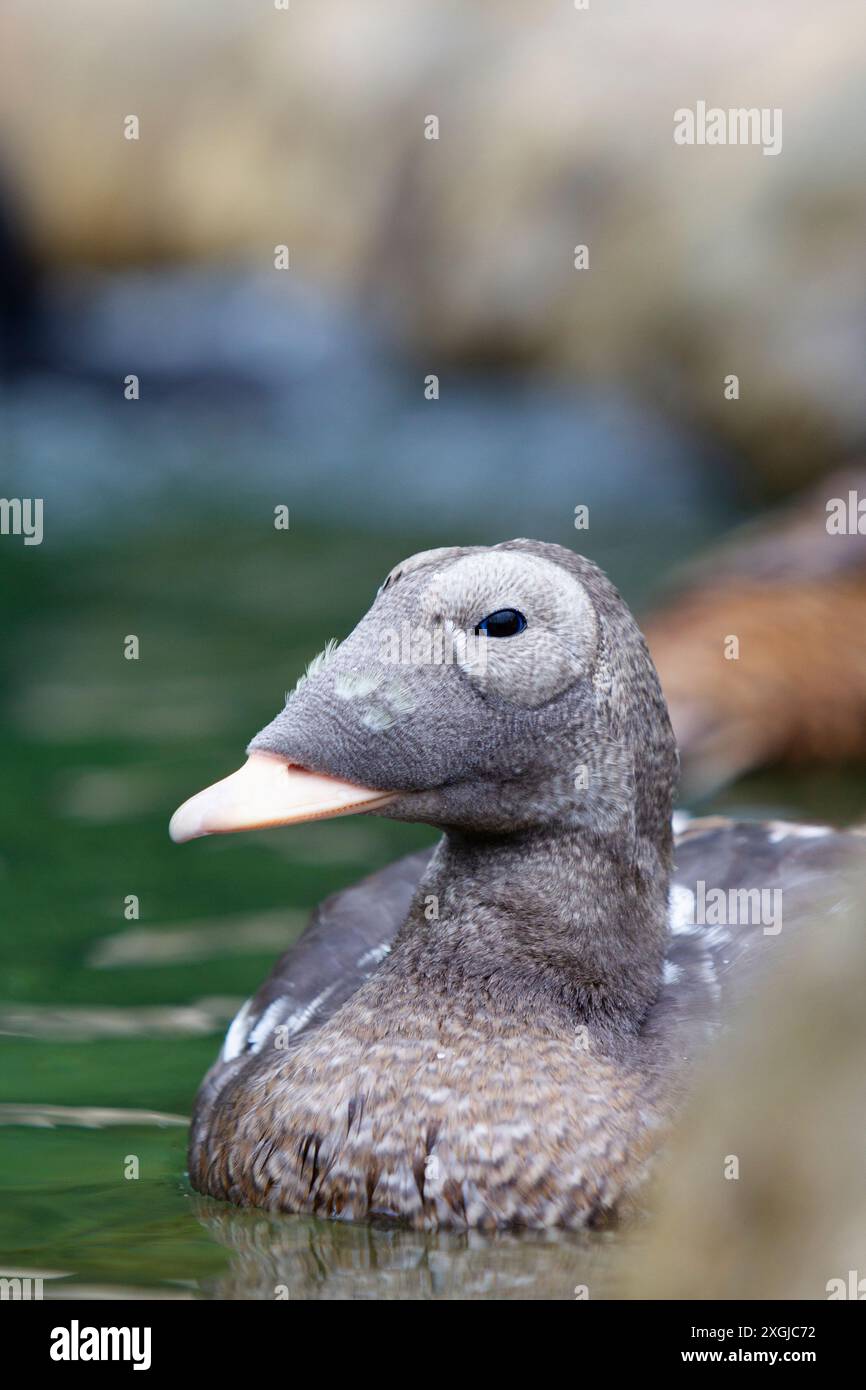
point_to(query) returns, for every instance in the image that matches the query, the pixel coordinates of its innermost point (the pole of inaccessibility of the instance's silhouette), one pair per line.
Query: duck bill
(268, 791)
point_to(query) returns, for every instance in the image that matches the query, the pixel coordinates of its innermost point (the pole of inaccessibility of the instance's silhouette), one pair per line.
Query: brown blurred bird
(762, 651)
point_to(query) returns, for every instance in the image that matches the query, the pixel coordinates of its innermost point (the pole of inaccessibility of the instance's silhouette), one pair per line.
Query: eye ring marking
(505, 622)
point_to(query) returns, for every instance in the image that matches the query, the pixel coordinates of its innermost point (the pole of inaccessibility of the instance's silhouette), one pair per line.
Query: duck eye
(505, 622)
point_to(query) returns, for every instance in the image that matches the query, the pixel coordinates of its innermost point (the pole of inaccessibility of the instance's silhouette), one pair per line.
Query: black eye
(505, 622)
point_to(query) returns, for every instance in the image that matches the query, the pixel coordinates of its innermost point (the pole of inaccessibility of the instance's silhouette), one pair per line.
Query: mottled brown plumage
(454, 1087)
(494, 1034)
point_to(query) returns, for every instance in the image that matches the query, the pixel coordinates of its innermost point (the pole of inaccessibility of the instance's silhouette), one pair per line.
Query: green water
(100, 1014)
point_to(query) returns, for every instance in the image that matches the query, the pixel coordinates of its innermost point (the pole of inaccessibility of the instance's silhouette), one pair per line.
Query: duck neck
(563, 928)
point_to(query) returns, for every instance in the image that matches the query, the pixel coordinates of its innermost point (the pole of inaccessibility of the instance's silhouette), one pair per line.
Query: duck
(496, 1032)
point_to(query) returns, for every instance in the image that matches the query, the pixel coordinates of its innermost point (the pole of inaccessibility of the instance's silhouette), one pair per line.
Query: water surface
(107, 1024)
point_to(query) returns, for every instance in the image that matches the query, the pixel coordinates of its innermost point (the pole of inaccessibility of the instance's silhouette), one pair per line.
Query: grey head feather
(566, 725)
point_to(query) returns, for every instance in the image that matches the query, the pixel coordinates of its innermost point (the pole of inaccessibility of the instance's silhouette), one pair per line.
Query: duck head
(488, 690)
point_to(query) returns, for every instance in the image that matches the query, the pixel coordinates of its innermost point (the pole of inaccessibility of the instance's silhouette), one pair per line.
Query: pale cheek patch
(380, 702)
(533, 669)
(352, 685)
(399, 699)
(558, 644)
(377, 718)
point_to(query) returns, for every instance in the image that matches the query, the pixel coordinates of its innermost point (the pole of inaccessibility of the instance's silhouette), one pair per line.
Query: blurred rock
(276, 393)
(306, 127)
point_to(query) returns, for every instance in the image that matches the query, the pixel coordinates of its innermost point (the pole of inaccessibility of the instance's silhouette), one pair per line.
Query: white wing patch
(249, 1034)
(373, 956)
(265, 1025)
(297, 1020)
(236, 1037)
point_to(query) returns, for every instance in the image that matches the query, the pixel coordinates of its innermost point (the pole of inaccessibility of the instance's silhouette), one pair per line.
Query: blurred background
(309, 387)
